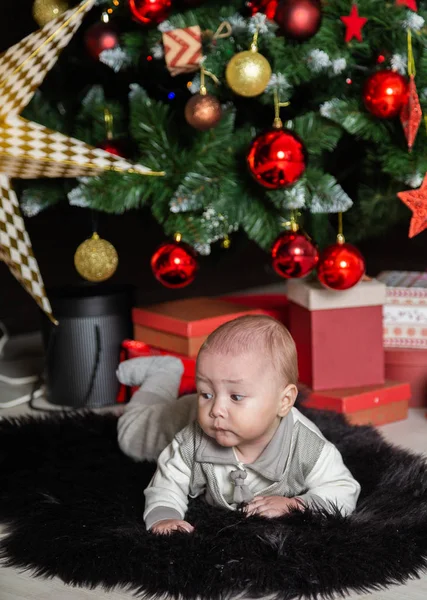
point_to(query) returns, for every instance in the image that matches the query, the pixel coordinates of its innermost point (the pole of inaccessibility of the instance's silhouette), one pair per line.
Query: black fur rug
(74, 505)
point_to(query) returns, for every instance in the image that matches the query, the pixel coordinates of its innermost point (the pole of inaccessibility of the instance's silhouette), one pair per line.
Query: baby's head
(246, 379)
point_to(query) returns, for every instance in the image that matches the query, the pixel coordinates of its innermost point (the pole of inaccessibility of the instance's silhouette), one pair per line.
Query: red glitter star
(354, 24)
(409, 3)
(416, 200)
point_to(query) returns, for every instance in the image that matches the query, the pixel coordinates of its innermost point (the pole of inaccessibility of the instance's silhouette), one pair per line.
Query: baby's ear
(287, 400)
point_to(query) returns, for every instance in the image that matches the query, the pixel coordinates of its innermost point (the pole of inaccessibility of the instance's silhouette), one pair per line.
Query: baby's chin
(222, 437)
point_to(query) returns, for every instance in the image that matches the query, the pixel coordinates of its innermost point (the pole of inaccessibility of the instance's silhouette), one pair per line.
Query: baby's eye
(205, 395)
(236, 397)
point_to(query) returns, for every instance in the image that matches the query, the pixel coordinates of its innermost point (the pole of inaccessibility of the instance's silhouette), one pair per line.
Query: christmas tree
(161, 84)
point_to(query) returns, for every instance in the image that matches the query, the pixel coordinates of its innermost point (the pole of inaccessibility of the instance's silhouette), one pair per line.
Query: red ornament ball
(294, 255)
(277, 158)
(99, 37)
(340, 266)
(150, 12)
(174, 264)
(116, 147)
(268, 7)
(384, 93)
(299, 19)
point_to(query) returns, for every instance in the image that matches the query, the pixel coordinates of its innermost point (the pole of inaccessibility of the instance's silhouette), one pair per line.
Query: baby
(247, 447)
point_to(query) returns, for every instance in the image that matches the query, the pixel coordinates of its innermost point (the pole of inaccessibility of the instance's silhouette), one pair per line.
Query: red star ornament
(410, 115)
(354, 24)
(409, 3)
(416, 200)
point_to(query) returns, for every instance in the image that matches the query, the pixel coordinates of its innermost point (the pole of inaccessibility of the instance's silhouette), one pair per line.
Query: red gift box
(135, 349)
(339, 335)
(368, 405)
(409, 364)
(275, 305)
(182, 326)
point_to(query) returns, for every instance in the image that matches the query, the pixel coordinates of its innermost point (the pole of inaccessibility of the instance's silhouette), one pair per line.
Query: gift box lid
(313, 296)
(191, 317)
(405, 286)
(276, 305)
(404, 279)
(135, 349)
(360, 398)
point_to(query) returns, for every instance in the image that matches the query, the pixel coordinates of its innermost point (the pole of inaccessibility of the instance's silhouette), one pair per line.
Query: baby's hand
(272, 506)
(169, 525)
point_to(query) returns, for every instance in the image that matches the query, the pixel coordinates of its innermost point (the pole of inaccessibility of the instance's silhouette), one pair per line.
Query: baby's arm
(166, 497)
(331, 483)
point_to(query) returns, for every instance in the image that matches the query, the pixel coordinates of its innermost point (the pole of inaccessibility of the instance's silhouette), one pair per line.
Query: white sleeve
(166, 496)
(330, 483)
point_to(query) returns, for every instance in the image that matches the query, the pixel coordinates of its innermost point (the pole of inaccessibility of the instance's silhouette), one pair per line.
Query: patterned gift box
(183, 50)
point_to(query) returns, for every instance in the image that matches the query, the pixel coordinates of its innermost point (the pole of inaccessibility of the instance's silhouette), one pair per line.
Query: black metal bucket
(83, 351)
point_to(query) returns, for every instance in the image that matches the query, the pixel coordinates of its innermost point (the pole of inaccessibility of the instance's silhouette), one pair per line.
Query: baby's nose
(218, 408)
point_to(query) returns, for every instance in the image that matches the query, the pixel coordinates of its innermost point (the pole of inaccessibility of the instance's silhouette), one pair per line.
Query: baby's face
(239, 397)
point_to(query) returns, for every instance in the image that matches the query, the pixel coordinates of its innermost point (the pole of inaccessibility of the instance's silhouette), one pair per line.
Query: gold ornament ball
(203, 111)
(96, 259)
(46, 10)
(248, 73)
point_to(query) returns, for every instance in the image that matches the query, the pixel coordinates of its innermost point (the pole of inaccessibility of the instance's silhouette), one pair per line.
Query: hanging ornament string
(203, 72)
(277, 123)
(63, 25)
(224, 31)
(109, 121)
(340, 235)
(411, 61)
(95, 221)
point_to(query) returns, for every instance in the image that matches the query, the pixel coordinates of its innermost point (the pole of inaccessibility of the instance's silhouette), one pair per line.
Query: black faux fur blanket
(74, 505)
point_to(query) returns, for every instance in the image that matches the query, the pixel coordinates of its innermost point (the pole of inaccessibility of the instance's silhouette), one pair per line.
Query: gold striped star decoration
(29, 150)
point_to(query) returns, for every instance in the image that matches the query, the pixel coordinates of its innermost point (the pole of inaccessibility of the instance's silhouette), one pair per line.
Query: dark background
(58, 231)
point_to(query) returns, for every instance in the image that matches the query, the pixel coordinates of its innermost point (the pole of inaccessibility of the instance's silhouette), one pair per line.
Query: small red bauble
(150, 12)
(174, 264)
(116, 147)
(293, 254)
(268, 7)
(277, 158)
(99, 37)
(384, 93)
(340, 266)
(299, 19)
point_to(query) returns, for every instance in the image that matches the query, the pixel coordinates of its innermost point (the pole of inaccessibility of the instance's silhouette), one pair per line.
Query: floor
(15, 585)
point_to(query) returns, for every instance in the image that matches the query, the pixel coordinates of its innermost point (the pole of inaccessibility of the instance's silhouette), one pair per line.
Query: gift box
(275, 305)
(181, 326)
(183, 49)
(135, 349)
(405, 335)
(339, 335)
(405, 287)
(368, 405)
(409, 364)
